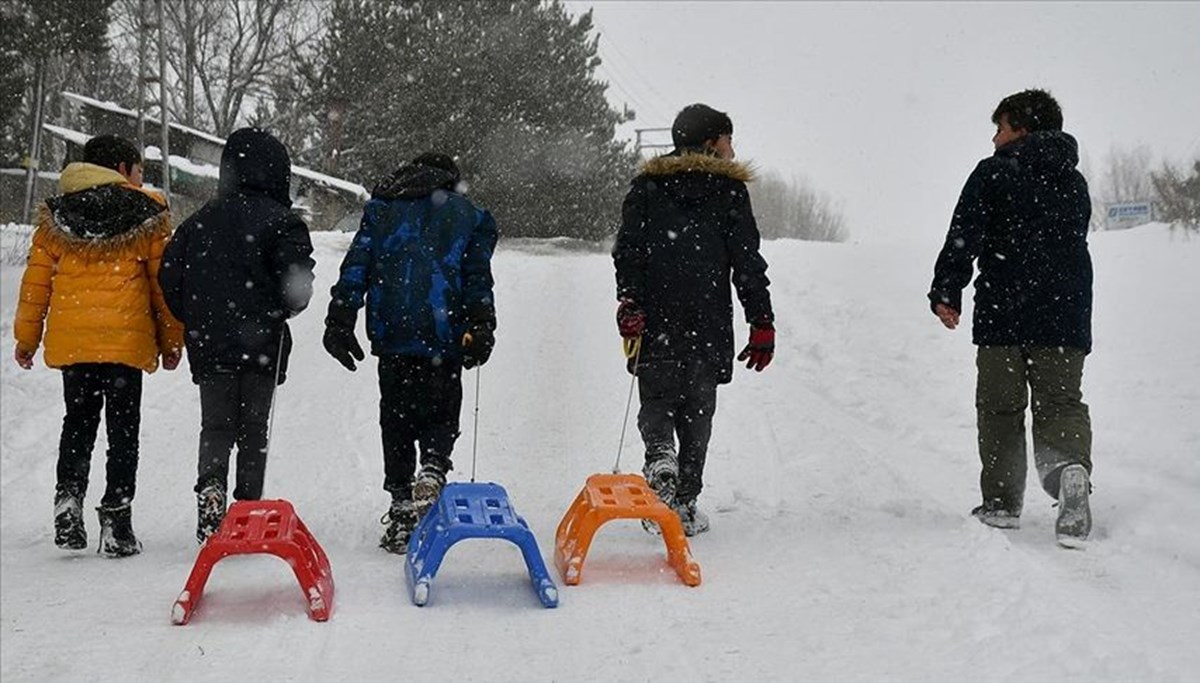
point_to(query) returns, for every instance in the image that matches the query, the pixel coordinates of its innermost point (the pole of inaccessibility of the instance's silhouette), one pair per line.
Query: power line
(619, 74)
(631, 63)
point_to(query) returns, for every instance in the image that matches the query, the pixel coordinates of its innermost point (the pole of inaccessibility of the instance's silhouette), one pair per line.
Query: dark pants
(678, 399)
(1062, 430)
(87, 388)
(419, 403)
(235, 408)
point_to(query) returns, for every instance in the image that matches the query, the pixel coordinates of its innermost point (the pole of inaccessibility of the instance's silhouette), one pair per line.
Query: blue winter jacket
(422, 259)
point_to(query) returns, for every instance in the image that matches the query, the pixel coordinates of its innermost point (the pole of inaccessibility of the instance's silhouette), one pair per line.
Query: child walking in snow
(422, 259)
(90, 285)
(235, 272)
(1024, 215)
(687, 229)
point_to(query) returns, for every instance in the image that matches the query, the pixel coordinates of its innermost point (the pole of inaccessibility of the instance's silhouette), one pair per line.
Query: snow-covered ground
(838, 482)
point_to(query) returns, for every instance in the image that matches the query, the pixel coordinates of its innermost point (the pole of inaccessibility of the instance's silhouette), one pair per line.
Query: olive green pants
(1062, 431)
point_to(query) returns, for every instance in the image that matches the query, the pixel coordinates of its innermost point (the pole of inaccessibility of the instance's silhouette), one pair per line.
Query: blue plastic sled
(471, 510)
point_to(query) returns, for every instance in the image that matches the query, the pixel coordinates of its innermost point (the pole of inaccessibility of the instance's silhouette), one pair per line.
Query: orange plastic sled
(618, 496)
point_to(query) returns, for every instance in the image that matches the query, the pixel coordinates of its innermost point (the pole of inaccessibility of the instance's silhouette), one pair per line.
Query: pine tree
(507, 88)
(56, 41)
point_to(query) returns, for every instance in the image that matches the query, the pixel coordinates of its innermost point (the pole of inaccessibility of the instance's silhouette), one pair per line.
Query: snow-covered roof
(330, 181)
(184, 164)
(45, 175)
(118, 109)
(353, 188)
(67, 134)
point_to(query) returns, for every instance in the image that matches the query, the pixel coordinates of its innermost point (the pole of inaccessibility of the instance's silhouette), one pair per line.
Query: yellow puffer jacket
(96, 290)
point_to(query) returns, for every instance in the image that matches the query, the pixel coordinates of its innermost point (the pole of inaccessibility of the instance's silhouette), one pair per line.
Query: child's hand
(23, 358)
(947, 315)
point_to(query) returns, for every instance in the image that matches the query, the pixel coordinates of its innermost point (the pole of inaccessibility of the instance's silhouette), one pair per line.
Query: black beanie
(440, 161)
(697, 123)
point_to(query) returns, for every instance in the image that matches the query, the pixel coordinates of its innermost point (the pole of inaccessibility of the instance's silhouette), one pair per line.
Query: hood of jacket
(254, 162)
(1044, 150)
(688, 174)
(412, 181)
(98, 204)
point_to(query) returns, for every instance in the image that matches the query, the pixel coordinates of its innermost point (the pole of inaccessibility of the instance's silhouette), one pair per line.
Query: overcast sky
(887, 106)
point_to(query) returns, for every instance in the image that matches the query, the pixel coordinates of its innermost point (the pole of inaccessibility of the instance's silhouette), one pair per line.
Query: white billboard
(1127, 214)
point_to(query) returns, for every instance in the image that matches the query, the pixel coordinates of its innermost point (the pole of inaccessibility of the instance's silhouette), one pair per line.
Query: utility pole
(141, 79)
(639, 145)
(162, 103)
(146, 25)
(35, 154)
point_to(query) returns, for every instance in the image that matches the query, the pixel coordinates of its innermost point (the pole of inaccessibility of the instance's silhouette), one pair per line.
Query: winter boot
(427, 488)
(693, 520)
(994, 513)
(69, 531)
(210, 511)
(401, 518)
(116, 532)
(662, 474)
(1074, 513)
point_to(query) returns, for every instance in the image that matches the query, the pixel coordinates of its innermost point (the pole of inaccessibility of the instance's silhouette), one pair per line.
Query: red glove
(761, 349)
(170, 361)
(631, 319)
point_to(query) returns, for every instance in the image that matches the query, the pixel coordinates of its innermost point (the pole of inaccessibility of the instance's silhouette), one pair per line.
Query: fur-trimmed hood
(100, 212)
(673, 163)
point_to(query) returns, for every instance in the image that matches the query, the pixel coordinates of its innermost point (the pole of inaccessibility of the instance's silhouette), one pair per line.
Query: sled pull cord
(633, 349)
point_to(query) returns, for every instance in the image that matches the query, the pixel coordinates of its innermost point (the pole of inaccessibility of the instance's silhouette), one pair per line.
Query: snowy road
(838, 483)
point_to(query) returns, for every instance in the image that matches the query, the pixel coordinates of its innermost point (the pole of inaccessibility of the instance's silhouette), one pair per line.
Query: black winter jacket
(1024, 214)
(238, 268)
(687, 230)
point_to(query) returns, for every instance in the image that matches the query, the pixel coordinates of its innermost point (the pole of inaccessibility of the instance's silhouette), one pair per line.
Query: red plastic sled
(263, 526)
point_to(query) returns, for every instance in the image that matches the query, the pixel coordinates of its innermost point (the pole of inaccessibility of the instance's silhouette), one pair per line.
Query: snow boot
(401, 518)
(1074, 513)
(116, 532)
(694, 521)
(210, 511)
(427, 488)
(69, 531)
(995, 514)
(662, 474)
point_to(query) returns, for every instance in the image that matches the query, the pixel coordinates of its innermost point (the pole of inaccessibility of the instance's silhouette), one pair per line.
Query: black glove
(341, 343)
(477, 344)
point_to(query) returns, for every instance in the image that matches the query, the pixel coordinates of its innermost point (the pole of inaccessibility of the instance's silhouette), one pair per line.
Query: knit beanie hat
(697, 123)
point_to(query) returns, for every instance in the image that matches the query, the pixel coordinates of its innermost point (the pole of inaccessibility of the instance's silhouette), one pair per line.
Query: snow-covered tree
(508, 88)
(795, 210)
(57, 44)
(1178, 195)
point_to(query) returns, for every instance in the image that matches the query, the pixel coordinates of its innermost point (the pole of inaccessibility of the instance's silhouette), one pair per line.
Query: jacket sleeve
(478, 295)
(347, 294)
(630, 252)
(954, 266)
(169, 329)
(749, 267)
(294, 265)
(34, 300)
(171, 273)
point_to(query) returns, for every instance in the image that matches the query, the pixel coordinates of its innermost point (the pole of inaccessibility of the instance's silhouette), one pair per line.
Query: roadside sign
(1127, 214)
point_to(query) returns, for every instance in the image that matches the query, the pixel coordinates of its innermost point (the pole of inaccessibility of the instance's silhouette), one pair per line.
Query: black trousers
(235, 408)
(88, 388)
(419, 403)
(678, 399)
